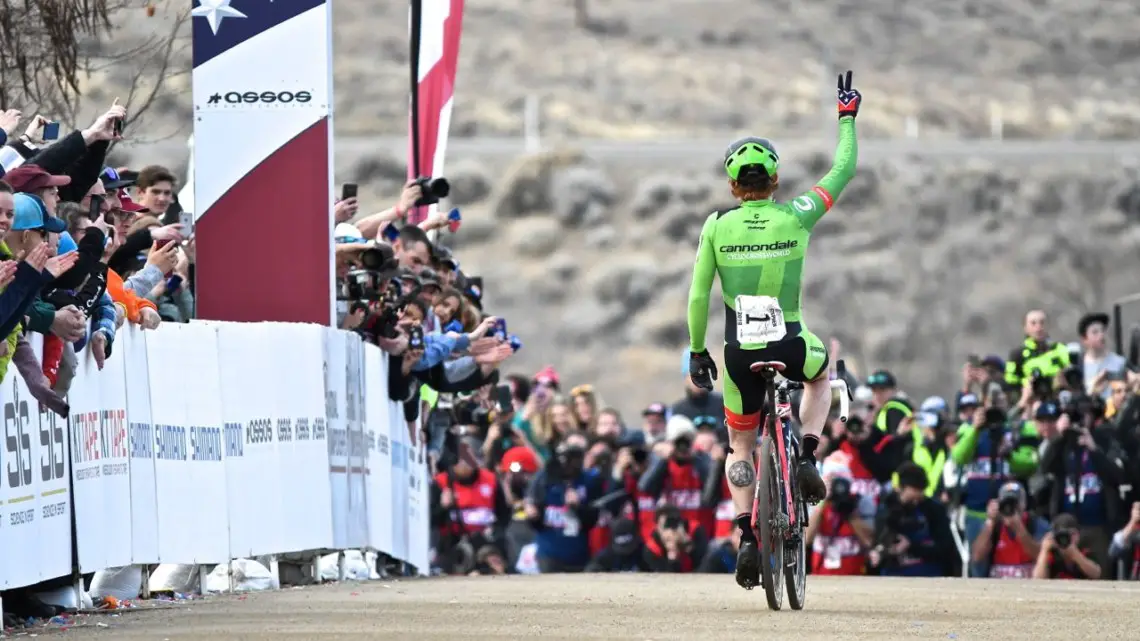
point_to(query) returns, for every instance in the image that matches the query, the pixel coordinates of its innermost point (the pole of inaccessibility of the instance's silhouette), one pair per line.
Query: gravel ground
(641, 607)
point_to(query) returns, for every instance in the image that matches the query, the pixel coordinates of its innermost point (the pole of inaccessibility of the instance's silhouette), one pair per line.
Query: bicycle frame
(778, 408)
(784, 440)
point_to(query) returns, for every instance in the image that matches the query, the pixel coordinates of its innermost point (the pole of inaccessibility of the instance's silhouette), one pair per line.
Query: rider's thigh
(743, 390)
(815, 356)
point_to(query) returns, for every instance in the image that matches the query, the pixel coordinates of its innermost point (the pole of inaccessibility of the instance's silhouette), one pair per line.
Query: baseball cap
(1088, 320)
(429, 277)
(679, 426)
(32, 214)
(654, 409)
(994, 361)
(933, 404)
(548, 376)
(631, 438)
(968, 400)
(112, 179)
(348, 233)
(444, 257)
(518, 459)
(881, 378)
(30, 178)
(128, 204)
(1048, 411)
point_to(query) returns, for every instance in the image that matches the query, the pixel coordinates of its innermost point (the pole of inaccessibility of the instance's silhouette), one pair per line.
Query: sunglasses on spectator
(582, 390)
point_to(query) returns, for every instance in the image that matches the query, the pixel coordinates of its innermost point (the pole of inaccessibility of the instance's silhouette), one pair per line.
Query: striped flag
(440, 26)
(263, 190)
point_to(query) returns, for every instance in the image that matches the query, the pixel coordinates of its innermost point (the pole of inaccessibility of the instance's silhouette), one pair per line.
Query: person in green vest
(1036, 355)
(890, 408)
(991, 451)
(925, 445)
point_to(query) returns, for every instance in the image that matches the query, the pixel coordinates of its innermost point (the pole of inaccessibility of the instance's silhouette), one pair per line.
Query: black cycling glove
(702, 370)
(848, 99)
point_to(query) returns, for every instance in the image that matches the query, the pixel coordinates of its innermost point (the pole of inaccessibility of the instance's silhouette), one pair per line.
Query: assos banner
(262, 91)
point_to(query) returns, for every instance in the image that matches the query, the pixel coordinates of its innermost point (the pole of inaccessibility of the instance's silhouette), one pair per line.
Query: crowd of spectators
(85, 249)
(1024, 471)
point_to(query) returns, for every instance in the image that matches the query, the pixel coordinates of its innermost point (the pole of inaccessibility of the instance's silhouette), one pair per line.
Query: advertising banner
(262, 92)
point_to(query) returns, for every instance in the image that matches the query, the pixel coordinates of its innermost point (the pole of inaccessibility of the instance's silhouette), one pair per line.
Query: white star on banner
(214, 11)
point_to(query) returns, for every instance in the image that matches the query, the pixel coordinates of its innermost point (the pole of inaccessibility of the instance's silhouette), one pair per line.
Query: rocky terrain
(924, 259)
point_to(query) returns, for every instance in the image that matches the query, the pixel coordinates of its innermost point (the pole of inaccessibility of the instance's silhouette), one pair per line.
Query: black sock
(744, 522)
(810, 443)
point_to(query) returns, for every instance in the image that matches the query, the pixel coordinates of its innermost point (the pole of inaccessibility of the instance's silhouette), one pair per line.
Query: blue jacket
(19, 295)
(437, 347)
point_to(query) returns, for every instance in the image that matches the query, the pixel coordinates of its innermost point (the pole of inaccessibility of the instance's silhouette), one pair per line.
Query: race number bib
(759, 319)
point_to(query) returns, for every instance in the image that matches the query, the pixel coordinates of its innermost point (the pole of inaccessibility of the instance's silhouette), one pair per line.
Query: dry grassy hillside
(922, 261)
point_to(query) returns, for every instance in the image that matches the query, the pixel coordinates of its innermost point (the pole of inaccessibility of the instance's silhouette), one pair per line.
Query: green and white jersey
(758, 250)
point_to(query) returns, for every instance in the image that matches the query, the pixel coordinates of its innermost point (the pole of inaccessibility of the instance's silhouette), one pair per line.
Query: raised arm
(703, 272)
(812, 205)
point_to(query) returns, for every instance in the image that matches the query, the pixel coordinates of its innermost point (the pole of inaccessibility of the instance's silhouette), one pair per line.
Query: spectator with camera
(472, 509)
(890, 409)
(1008, 542)
(991, 451)
(1037, 355)
(674, 545)
(560, 508)
(841, 529)
(912, 531)
(871, 455)
(922, 441)
(1062, 554)
(1085, 469)
(1126, 545)
(624, 553)
(678, 476)
(517, 468)
(77, 156)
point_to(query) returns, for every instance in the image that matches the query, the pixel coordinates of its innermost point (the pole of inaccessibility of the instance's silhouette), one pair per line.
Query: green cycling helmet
(751, 151)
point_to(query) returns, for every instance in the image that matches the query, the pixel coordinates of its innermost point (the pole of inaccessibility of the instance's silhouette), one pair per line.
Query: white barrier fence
(206, 442)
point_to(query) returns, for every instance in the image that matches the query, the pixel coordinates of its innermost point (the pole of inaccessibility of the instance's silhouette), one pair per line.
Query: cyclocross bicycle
(779, 513)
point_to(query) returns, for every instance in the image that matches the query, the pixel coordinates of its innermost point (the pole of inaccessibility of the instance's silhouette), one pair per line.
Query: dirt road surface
(645, 607)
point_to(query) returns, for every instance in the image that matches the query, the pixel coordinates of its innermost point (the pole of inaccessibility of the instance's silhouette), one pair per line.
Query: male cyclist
(758, 250)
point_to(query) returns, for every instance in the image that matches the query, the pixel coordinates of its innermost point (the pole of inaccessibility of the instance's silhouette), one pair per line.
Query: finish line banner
(263, 184)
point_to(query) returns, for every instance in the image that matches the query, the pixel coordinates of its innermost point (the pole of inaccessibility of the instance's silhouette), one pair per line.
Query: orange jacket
(133, 303)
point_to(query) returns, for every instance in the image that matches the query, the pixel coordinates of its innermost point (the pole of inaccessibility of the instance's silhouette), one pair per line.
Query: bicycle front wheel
(796, 569)
(768, 521)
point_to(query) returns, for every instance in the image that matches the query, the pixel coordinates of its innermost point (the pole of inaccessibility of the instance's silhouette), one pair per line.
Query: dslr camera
(1063, 538)
(842, 499)
(1009, 503)
(1083, 410)
(432, 190)
(1041, 385)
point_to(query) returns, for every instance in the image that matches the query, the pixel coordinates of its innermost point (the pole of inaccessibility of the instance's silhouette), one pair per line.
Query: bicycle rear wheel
(796, 569)
(768, 517)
